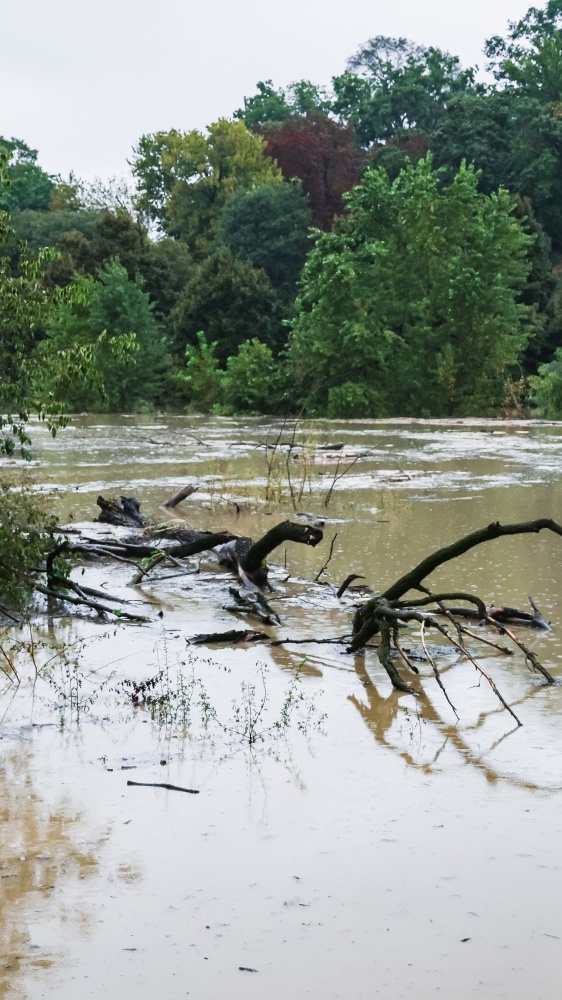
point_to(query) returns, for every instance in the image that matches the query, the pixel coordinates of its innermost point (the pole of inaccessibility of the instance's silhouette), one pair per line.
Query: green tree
(392, 85)
(252, 381)
(184, 178)
(113, 309)
(530, 58)
(410, 306)
(514, 141)
(270, 106)
(45, 229)
(232, 301)
(27, 306)
(29, 186)
(269, 226)
(546, 388)
(200, 382)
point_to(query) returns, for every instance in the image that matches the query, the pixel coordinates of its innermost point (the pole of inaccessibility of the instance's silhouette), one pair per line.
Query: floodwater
(375, 846)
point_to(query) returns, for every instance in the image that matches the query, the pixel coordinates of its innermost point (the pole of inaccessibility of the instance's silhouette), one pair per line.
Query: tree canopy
(323, 155)
(410, 305)
(184, 178)
(269, 226)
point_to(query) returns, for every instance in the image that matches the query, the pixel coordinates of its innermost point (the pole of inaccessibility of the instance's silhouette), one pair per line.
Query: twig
(529, 655)
(338, 477)
(163, 784)
(435, 670)
(300, 642)
(325, 566)
(9, 614)
(403, 654)
(487, 642)
(81, 590)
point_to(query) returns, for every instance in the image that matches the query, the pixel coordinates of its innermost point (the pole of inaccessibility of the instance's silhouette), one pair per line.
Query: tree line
(388, 245)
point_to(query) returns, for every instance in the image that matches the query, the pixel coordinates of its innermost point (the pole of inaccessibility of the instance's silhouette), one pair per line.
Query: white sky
(82, 80)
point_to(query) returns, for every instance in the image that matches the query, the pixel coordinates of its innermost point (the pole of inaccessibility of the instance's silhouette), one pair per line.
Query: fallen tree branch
(530, 657)
(348, 580)
(94, 605)
(326, 564)
(434, 668)
(412, 580)
(163, 784)
(365, 622)
(179, 497)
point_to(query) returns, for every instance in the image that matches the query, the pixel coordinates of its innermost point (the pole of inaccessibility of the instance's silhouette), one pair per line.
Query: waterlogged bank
(396, 854)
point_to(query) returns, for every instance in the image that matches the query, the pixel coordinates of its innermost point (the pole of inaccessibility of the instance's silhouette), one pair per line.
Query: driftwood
(124, 514)
(193, 542)
(163, 784)
(248, 558)
(346, 583)
(408, 600)
(506, 616)
(182, 495)
(232, 636)
(384, 614)
(253, 603)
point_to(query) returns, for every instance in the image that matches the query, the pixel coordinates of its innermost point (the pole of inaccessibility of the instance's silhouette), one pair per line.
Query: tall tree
(27, 306)
(269, 226)
(231, 301)
(184, 178)
(30, 187)
(270, 106)
(391, 85)
(530, 57)
(515, 141)
(323, 155)
(410, 306)
(112, 310)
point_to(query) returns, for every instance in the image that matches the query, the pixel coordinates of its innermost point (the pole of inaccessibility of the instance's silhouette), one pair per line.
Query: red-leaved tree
(323, 154)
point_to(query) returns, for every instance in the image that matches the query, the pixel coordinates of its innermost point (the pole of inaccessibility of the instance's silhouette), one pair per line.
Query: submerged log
(125, 514)
(182, 495)
(248, 558)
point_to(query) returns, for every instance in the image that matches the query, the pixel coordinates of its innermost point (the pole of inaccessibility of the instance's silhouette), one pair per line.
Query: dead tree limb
(412, 580)
(326, 564)
(198, 541)
(365, 622)
(433, 665)
(182, 495)
(102, 609)
(530, 657)
(163, 784)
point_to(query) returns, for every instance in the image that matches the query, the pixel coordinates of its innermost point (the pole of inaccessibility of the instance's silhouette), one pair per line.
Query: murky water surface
(397, 852)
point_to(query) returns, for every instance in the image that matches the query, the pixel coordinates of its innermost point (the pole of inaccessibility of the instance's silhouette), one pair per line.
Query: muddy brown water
(395, 852)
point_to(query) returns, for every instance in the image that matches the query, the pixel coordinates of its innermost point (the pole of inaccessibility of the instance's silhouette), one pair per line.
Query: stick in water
(163, 784)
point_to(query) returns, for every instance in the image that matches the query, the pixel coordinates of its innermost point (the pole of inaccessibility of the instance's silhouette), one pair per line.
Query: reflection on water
(317, 858)
(41, 865)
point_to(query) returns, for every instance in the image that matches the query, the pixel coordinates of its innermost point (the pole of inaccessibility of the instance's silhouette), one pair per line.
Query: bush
(201, 381)
(546, 388)
(27, 535)
(251, 379)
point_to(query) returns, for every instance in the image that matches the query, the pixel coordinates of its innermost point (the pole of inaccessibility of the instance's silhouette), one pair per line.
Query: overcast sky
(82, 80)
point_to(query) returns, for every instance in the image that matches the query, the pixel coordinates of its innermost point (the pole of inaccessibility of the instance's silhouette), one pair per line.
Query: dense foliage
(409, 306)
(388, 244)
